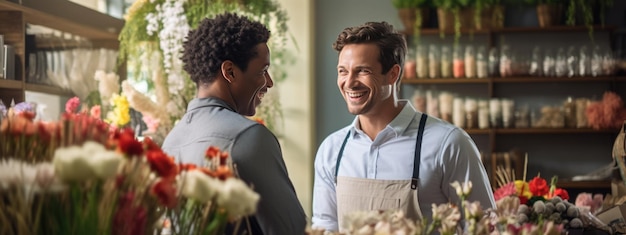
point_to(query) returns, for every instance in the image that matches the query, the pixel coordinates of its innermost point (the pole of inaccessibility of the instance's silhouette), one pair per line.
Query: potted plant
(454, 15)
(488, 14)
(549, 12)
(413, 14)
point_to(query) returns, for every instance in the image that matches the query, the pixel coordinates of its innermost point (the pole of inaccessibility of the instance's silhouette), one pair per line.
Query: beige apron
(361, 194)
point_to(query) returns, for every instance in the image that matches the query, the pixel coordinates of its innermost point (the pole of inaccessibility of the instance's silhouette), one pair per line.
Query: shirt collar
(399, 124)
(210, 101)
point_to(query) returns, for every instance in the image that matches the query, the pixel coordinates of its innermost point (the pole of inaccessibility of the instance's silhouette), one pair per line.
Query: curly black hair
(392, 44)
(228, 36)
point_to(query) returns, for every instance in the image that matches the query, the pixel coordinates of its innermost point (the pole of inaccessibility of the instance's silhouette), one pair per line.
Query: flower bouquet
(80, 175)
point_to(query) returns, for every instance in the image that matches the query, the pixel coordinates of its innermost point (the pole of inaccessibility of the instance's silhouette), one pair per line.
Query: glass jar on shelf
(471, 113)
(434, 69)
(409, 65)
(560, 67)
(569, 112)
(506, 62)
(549, 63)
(482, 62)
(470, 62)
(572, 61)
(422, 62)
(536, 63)
(458, 63)
(494, 62)
(446, 62)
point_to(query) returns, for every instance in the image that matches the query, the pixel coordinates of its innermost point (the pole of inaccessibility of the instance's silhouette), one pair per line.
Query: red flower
(538, 186)
(129, 218)
(127, 143)
(162, 164)
(223, 172)
(165, 191)
(149, 144)
(562, 193)
(187, 167)
(212, 152)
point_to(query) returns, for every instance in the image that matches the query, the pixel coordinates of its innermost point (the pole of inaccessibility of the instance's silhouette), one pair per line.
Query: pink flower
(72, 105)
(151, 123)
(505, 191)
(96, 111)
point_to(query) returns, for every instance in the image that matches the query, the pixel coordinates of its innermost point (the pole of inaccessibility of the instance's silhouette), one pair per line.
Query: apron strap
(418, 152)
(343, 146)
(416, 161)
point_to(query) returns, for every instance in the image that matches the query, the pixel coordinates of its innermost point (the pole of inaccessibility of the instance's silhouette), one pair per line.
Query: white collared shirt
(448, 154)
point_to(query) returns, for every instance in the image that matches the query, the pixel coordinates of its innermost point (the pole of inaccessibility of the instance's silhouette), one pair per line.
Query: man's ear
(227, 70)
(394, 74)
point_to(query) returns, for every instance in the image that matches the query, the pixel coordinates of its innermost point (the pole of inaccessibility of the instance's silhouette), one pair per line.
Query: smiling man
(391, 157)
(228, 59)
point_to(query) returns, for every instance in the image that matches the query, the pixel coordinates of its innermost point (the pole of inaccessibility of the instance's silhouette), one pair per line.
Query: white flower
(70, 164)
(237, 198)
(199, 186)
(462, 190)
(108, 84)
(106, 164)
(90, 161)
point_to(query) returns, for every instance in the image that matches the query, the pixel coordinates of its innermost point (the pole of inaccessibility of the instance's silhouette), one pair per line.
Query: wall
(296, 96)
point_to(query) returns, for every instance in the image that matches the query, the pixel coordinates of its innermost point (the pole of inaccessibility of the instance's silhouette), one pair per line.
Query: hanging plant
(152, 38)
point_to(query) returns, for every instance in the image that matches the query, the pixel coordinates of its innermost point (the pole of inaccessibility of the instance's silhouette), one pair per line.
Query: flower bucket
(549, 14)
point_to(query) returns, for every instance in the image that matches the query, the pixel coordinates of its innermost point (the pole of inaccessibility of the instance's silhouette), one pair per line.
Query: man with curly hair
(391, 157)
(228, 59)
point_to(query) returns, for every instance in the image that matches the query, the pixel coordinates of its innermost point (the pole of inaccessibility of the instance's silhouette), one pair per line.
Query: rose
(538, 186)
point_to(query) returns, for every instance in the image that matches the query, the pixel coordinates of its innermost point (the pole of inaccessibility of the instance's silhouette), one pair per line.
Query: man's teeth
(260, 95)
(355, 95)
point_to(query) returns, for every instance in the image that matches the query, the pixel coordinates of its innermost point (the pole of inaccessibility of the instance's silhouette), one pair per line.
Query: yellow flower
(121, 111)
(523, 189)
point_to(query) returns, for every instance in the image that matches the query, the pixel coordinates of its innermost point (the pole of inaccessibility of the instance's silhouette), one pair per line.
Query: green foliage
(452, 4)
(410, 3)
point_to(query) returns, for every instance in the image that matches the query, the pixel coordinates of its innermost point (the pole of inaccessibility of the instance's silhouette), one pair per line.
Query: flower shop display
(151, 42)
(449, 219)
(80, 175)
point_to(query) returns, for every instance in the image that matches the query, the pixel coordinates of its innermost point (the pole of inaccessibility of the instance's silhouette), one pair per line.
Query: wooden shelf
(522, 79)
(530, 79)
(446, 80)
(553, 131)
(591, 184)
(562, 28)
(67, 17)
(47, 89)
(11, 84)
(478, 131)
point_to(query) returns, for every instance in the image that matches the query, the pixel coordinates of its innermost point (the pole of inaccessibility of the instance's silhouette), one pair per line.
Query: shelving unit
(493, 137)
(100, 29)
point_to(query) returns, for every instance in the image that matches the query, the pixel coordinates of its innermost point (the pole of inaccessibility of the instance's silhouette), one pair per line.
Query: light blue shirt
(448, 154)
